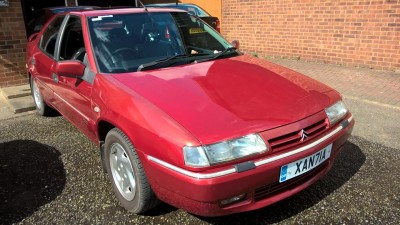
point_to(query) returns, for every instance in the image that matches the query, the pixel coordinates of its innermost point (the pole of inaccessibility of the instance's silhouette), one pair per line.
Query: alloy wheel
(122, 171)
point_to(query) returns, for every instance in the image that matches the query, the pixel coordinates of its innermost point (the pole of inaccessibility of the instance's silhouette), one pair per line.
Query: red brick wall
(351, 32)
(12, 45)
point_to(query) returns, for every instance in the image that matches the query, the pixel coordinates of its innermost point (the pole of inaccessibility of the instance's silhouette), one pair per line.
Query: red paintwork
(70, 68)
(202, 196)
(241, 95)
(165, 109)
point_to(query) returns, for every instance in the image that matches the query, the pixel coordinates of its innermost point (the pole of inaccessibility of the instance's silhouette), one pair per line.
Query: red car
(182, 116)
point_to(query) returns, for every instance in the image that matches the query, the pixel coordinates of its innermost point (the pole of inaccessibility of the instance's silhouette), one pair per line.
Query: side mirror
(70, 68)
(32, 37)
(235, 43)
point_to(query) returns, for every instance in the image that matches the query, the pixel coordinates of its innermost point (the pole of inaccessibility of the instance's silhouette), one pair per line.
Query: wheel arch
(29, 79)
(103, 128)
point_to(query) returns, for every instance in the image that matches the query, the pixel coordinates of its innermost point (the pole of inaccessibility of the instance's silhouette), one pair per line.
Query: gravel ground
(50, 173)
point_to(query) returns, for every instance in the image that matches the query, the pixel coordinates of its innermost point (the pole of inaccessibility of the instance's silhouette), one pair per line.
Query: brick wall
(12, 45)
(351, 32)
(362, 33)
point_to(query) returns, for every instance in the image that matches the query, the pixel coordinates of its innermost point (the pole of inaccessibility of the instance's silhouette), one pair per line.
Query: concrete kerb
(15, 100)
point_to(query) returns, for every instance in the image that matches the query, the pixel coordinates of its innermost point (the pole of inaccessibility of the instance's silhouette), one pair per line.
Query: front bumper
(201, 193)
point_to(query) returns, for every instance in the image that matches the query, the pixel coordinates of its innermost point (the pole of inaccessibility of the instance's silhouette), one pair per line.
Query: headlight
(202, 156)
(336, 112)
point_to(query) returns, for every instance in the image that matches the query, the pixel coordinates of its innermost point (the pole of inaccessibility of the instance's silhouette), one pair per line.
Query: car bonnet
(227, 98)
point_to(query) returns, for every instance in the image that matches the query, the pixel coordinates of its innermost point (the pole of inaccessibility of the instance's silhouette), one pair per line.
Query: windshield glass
(126, 42)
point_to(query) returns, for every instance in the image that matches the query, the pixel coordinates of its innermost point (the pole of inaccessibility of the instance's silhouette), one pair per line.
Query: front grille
(294, 138)
(276, 188)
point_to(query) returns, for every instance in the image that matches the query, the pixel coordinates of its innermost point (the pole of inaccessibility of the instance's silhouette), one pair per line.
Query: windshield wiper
(159, 61)
(216, 56)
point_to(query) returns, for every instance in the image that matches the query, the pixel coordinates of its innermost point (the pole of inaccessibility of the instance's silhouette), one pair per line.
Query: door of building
(31, 7)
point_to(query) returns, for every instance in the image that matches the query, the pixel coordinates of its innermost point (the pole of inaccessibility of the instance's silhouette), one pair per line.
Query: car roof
(102, 11)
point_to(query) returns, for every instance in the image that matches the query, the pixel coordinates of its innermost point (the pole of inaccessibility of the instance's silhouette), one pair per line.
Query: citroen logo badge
(303, 135)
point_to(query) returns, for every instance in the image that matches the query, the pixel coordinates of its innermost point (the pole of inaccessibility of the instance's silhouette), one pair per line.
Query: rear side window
(36, 24)
(49, 37)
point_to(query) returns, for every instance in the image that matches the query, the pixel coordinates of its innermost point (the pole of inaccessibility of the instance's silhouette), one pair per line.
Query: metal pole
(136, 3)
(76, 3)
(66, 2)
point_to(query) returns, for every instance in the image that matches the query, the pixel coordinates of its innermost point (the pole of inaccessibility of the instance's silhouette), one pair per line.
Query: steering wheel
(122, 50)
(119, 56)
(122, 53)
(79, 54)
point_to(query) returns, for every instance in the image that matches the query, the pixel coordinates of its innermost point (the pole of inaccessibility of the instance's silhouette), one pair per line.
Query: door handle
(55, 77)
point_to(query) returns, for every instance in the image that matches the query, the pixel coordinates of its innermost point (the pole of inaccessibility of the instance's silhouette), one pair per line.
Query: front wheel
(41, 107)
(126, 173)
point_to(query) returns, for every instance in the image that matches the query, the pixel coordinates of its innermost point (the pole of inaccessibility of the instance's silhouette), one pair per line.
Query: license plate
(304, 165)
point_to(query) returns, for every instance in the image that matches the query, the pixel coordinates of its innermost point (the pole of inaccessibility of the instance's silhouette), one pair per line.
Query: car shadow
(346, 164)
(160, 210)
(31, 175)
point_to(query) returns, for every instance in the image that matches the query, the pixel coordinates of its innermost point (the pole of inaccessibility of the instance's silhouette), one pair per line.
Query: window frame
(61, 36)
(57, 38)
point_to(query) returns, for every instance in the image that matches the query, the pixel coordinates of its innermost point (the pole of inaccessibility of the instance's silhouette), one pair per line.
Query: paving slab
(16, 91)
(18, 99)
(21, 104)
(7, 113)
(373, 86)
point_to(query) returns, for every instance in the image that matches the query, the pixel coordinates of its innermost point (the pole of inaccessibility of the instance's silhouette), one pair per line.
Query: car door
(73, 94)
(43, 59)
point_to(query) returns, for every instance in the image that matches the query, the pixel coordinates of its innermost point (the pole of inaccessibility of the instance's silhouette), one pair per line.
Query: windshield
(126, 42)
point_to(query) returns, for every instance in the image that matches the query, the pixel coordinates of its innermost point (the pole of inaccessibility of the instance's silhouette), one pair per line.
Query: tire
(126, 173)
(41, 107)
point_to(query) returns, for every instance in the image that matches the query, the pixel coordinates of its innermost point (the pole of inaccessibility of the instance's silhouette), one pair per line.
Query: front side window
(49, 37)
(138, 41)
(72, 46)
